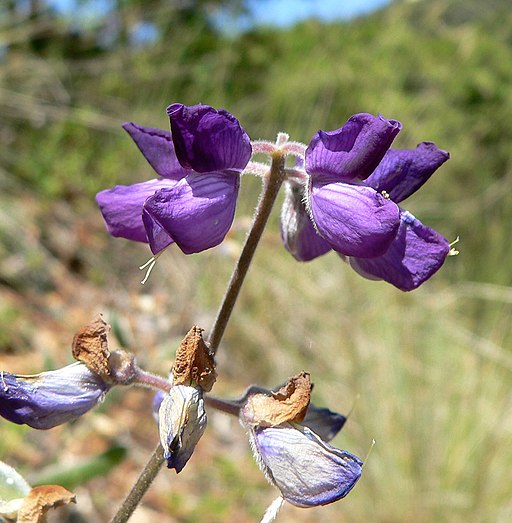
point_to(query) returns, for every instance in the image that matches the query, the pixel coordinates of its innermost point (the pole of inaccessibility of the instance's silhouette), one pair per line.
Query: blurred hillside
(432, 368)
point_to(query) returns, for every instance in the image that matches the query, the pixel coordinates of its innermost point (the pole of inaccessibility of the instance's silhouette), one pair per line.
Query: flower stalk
(152, 381)
(141, 486)
(271, 185)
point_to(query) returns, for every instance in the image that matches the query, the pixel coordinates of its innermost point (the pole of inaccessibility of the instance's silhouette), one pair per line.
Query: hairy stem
(153, 381)
(141, 486)
(228, 406)
(272, 183)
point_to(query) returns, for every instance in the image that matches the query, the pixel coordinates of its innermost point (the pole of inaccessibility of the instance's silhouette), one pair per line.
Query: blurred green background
(428, 373)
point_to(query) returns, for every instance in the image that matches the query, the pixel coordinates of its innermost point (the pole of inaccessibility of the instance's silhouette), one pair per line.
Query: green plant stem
(271, 185)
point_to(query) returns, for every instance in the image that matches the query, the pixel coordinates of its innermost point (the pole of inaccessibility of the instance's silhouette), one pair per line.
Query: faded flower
(308, 471)
(51, 398)
(182, 421)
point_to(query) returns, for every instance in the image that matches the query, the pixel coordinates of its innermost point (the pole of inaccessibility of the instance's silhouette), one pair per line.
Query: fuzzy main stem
(141, 486)
(272, 184)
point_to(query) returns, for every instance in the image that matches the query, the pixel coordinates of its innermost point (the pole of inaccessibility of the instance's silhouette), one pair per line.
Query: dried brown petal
(194, 362)
(90, 346)
(289, 403)
(41, 499)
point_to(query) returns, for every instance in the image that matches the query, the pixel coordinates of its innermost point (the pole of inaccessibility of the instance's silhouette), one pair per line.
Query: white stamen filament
(149, 266)
(369, 452)
(454, 252)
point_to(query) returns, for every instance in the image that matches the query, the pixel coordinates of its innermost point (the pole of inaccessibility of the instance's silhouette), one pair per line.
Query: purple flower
(51, 398)
(351, 216)
(350, 204)
(307, 471)
(193, 202)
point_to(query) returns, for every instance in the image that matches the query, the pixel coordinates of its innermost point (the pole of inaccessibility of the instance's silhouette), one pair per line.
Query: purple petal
(297, 231)
(51, 398)
(402, 172)
(197, 212)
(157, 147)
(355, 219)
(415, 255)
(307, 471)
(121, 207)
(353, 151)
(207, 140)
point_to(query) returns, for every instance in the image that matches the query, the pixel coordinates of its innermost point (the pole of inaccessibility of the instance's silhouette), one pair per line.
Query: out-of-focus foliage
(432, 367)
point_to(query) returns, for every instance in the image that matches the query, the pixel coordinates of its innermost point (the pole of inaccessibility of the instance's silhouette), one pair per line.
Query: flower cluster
(288, 435)
(343, 193)
(354, 182)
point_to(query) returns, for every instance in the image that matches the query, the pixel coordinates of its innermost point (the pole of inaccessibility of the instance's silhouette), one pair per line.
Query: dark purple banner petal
(403, 172)
(351, 152)
(208, 140)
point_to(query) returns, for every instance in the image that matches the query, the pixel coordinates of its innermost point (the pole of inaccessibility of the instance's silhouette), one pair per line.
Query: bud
(182, 421)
